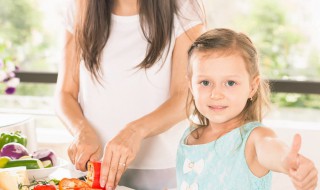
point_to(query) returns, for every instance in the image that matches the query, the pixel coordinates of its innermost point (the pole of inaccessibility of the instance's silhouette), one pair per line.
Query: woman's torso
(126, 94)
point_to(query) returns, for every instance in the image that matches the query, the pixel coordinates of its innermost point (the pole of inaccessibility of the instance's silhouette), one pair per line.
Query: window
(32, 37)
(287, 33)
(32, 34)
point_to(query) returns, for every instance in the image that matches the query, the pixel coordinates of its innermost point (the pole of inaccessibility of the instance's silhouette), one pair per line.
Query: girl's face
(220, 85)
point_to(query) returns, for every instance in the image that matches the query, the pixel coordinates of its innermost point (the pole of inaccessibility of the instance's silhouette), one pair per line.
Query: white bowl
(45, 172)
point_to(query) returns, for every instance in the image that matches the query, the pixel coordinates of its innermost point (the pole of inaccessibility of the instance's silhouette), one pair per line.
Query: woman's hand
(118, 154)
(85, 146)
(301, 170)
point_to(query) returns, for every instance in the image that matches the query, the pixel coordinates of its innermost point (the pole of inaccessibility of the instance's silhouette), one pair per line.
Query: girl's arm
(124, 147)
(273, 154)
(85, 145)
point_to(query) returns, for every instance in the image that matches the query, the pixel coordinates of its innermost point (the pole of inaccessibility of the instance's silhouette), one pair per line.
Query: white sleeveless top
(127, 94)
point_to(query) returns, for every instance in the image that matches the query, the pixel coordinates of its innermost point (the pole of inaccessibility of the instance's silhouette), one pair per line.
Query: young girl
(227, 146)
(118, 100)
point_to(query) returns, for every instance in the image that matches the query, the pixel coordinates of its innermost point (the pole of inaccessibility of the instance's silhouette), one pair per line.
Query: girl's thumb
(293, 156)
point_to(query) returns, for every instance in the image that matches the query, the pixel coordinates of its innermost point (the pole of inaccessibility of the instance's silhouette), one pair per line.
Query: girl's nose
(216, 93)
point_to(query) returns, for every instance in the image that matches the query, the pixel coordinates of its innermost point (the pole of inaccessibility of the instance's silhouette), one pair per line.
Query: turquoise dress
(219, 165)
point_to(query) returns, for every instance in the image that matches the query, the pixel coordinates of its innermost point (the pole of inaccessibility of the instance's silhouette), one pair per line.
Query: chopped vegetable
(17, 137)
(44, 187)
(72, 183)
(29, 163)
(3, 161)
(51, 184)
(93, 174)
(47, 164)
(46, 155)
(14, 150)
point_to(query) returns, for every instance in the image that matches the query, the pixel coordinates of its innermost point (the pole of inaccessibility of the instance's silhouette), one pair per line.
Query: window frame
(277, 85)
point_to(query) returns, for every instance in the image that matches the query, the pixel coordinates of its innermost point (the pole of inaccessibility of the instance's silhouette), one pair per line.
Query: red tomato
(81, 188)
(44, 187)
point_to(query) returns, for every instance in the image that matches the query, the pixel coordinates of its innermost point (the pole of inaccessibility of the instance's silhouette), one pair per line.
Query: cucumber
(29, 163)
(47, 164)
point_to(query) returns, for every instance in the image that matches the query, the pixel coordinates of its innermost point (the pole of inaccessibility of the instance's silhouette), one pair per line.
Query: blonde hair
(227, 41)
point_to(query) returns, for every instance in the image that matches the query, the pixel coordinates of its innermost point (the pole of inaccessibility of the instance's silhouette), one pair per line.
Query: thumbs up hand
(301, 170)
(292, 160)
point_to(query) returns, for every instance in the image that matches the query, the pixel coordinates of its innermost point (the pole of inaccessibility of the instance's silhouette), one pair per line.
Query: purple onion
(14, 150)
(45, 154)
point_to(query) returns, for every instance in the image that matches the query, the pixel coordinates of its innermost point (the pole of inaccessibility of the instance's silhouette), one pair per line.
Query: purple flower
(7, 76)
(11, 74)
(6, 79)
(10, 90)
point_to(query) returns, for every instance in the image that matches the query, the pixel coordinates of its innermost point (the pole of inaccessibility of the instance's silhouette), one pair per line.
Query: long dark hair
(93, 26)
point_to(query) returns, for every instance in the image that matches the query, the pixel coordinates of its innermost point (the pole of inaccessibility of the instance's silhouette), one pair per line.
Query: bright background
(286, 32)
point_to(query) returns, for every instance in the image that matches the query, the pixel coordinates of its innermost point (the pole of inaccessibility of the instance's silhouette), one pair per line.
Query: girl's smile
(218, 108)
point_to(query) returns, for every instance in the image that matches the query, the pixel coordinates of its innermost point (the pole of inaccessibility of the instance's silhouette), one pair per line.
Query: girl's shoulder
(255, 129)
(261, 132)
(254, 132)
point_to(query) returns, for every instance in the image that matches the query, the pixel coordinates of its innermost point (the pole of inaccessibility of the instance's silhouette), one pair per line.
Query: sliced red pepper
(72, 183)
(93, 174)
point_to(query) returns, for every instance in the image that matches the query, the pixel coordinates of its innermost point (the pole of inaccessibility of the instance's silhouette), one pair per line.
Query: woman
(123, 85)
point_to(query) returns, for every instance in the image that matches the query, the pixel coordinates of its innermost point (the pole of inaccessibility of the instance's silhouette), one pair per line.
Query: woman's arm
(86, 144)
(275, 155)
(124, 147)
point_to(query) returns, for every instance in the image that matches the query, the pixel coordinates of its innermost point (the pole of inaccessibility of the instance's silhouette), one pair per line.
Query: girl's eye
(205, 83)
(230, 83)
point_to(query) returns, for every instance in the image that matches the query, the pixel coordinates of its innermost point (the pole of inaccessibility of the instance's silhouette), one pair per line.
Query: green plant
(280, 42)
